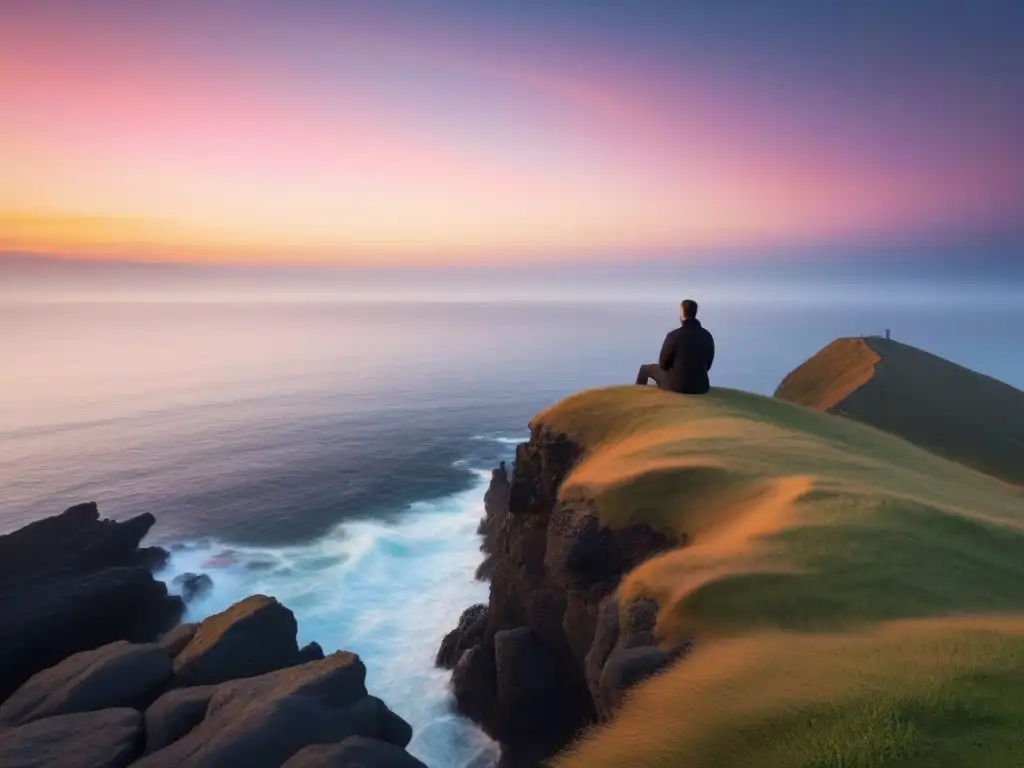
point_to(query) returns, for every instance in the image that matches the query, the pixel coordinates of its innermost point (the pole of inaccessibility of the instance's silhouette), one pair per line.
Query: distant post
(887, 334)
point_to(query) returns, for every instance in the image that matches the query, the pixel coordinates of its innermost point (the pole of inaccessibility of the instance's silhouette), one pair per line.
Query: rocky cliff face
(74, 582)
(553, 650)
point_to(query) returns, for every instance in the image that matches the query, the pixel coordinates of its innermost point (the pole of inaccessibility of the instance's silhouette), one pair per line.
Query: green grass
(825, 562)
(948, 409)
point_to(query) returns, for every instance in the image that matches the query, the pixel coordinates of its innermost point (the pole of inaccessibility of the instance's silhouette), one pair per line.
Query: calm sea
(335, 454)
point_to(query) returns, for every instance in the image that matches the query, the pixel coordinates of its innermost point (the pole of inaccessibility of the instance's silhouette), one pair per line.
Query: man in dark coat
(686, 356)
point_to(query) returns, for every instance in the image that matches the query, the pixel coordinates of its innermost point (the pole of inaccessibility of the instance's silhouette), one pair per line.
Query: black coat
(687, 355)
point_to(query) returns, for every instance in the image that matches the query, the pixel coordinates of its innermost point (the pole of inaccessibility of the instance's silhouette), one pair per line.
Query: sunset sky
(472, 131)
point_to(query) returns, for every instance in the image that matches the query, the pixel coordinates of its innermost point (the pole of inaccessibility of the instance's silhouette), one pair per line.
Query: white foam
(501, 439)
(388, 592)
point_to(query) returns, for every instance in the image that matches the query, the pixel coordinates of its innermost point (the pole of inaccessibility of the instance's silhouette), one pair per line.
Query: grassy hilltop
(853, 598)
(946, 408)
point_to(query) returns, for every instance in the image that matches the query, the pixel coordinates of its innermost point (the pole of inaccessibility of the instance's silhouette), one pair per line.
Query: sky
(409, 132)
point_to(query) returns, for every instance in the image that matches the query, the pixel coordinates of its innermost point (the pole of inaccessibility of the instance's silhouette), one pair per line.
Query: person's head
(688, 310)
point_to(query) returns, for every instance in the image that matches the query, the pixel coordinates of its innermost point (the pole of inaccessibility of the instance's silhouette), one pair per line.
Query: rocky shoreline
(554, 649)
(104, 676)
(97, 672)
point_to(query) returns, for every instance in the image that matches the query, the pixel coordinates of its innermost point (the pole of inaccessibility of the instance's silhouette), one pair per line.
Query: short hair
(688, 309)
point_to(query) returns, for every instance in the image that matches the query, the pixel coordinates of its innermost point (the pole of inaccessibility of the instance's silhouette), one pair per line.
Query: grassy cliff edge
(853, 599)
(948, 409)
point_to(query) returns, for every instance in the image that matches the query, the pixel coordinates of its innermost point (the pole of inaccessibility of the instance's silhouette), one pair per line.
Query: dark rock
(354, 752)
(193, 585)
(73, 582)
(524, 670)
(381, 723)
(606, 636)
(109, 738)
(641, 616)
(492, 526)
(254, 636)
(310, 652)
(468, 633)
(541, 465)
(175, 640)
(473, 682)
(116, 675)
(262, 721)
(554, 569)
(625, 668)
(176, 713)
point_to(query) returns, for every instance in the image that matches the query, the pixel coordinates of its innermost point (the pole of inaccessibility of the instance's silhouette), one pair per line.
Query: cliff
(941, 406)
(782, 576)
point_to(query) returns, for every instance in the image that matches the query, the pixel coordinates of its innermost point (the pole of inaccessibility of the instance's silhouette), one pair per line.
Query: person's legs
(654, 372)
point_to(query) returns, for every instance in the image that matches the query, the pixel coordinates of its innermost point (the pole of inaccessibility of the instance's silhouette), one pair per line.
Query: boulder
(469, 632)
(193, 585)
(353, 752)
(73, 582)
(175, 640)
(263, 721)
(391, 728)
(116, 675)
(252, 637)
(176, 713)
(310, 652)
(109, 738)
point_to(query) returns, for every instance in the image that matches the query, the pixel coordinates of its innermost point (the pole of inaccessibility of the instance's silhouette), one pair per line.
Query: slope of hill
(854, 600)
(950, 410)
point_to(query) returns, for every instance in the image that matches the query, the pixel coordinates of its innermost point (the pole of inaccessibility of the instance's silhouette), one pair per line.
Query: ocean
(334, 454)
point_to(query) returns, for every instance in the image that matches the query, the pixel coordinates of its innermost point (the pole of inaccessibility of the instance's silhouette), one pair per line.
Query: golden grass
(825, 560)
(829, 377)
(925, 694)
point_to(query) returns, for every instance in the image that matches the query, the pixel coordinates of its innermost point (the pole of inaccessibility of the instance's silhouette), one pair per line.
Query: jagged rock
(541, 465)
(116, 675)
(554, 568)
(524, 670)
(263, 721)
(492, 526)
(174, 714)
(254, 636)
(310, 652)
(109, 738)
(73, 582)
(625, 668)
(469, 632)
(354, 752)
(176, 639)
(193, 585)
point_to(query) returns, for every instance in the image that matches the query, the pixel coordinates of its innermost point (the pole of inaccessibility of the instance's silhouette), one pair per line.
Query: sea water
(335, 454)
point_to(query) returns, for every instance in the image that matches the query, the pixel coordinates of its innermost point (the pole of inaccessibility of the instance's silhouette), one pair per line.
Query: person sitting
(685, 358)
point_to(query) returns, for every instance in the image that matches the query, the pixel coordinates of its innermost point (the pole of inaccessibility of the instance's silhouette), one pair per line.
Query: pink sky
(247, 137)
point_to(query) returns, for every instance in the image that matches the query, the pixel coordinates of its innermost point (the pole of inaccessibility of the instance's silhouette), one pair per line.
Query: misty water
(334, 453)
